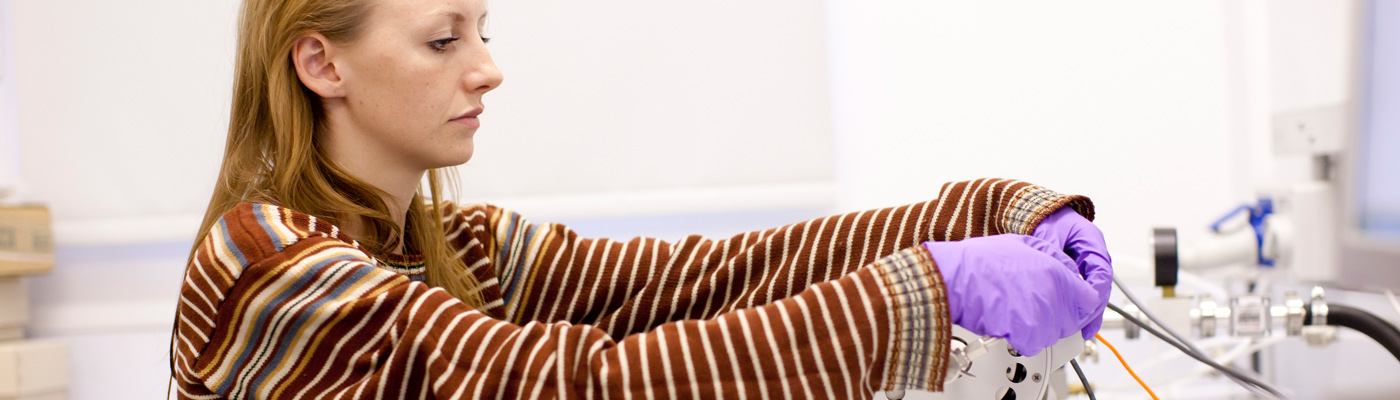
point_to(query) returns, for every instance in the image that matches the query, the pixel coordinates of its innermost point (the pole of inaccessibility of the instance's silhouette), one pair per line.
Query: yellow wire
(1125, 366)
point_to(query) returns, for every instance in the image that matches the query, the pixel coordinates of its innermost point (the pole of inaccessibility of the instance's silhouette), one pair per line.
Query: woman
(321, 269)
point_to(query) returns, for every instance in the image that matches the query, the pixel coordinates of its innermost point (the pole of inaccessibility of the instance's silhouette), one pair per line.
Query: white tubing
(1204, 345)
(1393, 303)
(1217, 291)
(1218, 250)
(1229, 357)
(1240, 348)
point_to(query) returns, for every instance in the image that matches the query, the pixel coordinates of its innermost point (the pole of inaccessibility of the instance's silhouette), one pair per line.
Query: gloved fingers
(1074, 301)
(1092, 320)
(1028, 341)
(1089, 256)
(1055, 225)
(1085, 243)
(1081, 298)
(1099, 277)
(1064, 259)
(1026, 349)
(1052, 250)
(1093, 327)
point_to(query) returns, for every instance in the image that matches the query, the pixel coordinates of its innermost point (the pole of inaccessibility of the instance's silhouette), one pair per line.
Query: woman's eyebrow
(456, 16)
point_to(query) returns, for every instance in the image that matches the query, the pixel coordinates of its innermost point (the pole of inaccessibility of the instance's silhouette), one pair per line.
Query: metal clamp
(1207, 308)
(1293, 322)
(1318, 333)
(1319, 307)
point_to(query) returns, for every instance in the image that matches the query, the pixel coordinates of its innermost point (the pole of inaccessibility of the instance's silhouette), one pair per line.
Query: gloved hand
(1082, 241)
(1015, 287)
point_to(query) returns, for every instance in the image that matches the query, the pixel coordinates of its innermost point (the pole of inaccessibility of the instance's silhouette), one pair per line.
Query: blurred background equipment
(30, 369)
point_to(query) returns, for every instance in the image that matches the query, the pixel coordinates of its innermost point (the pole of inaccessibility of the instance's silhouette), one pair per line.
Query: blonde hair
(272, 154)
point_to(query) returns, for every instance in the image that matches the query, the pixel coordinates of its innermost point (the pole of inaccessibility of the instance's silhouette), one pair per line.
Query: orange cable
(1125, 366)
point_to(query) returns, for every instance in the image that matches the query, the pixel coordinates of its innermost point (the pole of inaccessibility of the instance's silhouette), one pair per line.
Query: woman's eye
(440, 45)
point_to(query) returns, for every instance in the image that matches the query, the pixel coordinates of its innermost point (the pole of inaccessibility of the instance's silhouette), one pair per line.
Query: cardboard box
(33, 368)
(59, 395)
(14, 308)
(26, 240)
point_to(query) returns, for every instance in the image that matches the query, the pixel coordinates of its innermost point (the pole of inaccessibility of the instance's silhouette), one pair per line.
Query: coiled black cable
(1361, 321)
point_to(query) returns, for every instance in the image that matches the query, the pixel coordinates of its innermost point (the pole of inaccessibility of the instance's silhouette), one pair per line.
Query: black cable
(1360, 320)
(1199, 357)
(1082, 379)
(1179, 338)
(1143, 309)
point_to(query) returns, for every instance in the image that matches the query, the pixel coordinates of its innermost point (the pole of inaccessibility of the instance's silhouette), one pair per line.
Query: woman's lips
(471, 122)
(469, 118)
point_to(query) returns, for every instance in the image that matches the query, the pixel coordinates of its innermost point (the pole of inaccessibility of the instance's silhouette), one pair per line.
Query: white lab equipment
(1339, 228)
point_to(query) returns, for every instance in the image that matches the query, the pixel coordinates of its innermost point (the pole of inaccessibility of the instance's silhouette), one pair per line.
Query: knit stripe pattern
(276, 304)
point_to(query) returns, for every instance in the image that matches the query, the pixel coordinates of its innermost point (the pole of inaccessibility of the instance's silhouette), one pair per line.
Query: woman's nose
(484, 75)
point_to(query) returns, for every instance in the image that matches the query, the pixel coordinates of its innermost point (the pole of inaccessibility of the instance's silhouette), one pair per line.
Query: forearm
(551, 274)
(878, 328)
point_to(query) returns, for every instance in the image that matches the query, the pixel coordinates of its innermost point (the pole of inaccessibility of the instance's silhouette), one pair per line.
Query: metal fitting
(958, 360)
(1319, 307)
(1206, 308)
(1132, 331)
(1250, 316)
(1295, 313)
(1318, 333)
(1091, 352)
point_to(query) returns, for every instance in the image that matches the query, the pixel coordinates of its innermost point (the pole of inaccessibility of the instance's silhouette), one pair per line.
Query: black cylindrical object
(1360, 320)
(1166, 259)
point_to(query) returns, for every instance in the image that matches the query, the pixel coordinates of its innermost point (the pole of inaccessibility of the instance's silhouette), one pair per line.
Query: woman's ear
(310, 55)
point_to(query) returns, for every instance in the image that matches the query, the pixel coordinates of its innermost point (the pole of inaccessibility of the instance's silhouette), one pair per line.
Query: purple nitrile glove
(1015, 287)
(1083, 242)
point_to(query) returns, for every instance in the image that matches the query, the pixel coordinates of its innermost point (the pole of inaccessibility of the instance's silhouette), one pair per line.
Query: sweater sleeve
(315, 321)
(547, 272)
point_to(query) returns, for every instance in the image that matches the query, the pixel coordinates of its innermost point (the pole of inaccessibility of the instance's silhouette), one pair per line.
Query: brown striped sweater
(279, 305)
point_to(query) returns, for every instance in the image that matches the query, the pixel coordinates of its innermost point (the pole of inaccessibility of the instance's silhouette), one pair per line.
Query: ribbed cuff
(922, 329)
(1031, 204)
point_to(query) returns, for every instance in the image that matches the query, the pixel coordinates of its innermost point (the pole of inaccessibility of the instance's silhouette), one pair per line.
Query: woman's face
(414, 80)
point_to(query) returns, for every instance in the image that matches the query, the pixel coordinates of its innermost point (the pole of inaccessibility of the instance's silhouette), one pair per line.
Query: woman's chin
(451, 157)
(458, 160)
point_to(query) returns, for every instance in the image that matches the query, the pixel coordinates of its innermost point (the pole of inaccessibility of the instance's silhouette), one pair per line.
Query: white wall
(1123, 102)
(123, 108)
(720, 95)
(9, 129)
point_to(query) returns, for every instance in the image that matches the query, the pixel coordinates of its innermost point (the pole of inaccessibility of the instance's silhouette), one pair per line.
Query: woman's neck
(367, 162)
(397, 198)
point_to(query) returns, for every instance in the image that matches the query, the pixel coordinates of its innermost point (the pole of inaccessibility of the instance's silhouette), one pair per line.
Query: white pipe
(1393, 303)
(1204, 345)
(1216, 290)
(1218, 250)
(1228, 358)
